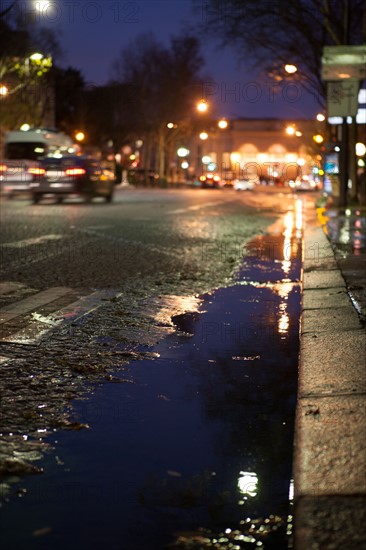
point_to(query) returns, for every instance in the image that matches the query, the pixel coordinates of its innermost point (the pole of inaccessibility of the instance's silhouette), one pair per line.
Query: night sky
(92, 33)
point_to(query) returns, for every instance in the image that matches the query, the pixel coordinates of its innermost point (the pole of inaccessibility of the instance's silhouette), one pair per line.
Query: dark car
(210, 180)
(73, 175)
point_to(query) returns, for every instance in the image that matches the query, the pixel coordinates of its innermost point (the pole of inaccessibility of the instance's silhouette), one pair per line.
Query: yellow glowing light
(3, 89)
(321, 172)
(290, 130)
(80, 136)
(344, 75)
(25, 127)
(298, 133)
(320, 117)
(202, 106)
(290, 157)
(36, 56)
(132, 157)
(360, 149)
(301, 162)
(235, 157)
(318, 138)
(222, 124)
(290, 69)
(203, 135)
(170, 125)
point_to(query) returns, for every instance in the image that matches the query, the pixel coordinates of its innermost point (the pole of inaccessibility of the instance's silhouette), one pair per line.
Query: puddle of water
(200, 446)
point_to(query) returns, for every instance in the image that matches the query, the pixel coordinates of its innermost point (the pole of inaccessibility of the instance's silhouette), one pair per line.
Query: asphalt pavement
(330, 436)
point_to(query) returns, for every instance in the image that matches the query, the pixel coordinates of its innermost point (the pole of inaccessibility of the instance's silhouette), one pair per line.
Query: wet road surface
(191, 446)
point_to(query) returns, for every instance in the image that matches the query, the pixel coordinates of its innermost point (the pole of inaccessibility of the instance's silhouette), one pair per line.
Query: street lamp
(79, 136)
(3, 90)
(202, 106)
(222, 124)
(203, 135)
(290, 69)
(290, 130)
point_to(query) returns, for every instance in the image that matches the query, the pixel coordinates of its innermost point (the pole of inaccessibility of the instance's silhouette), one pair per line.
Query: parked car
(73, 175)
(244, 185)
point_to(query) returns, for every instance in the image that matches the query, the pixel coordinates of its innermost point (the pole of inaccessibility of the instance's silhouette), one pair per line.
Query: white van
(22, 153)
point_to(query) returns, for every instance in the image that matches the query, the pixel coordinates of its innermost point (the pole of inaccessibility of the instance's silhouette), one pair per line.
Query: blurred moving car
(73, 175)
(305, 183)
(23, 152)
(244, 185)
(210, 180)
(16, 176)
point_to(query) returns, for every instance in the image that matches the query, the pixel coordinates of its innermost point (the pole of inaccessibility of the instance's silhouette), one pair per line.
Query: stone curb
(330, 426)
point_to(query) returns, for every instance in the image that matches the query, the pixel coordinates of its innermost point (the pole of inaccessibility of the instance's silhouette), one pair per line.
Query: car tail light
(75, 172)
(3, 168)
(36, 171)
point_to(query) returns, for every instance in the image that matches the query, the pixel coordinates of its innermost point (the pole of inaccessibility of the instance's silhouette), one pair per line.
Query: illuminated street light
(183, 152)
(318, 138)
(36, 56)
(360, 149)
(202, 106)
(203, 135)
(79, 136)
(222, 124)
(320, 117)
(290, 69)
(290, 130)
(3, 90)
(298, 133)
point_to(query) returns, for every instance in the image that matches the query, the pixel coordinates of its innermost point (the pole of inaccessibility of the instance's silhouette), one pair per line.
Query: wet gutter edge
(330, 444)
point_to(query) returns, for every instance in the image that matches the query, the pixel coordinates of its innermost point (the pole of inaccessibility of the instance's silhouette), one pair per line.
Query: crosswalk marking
(29, 304)
(40, 325)
(8, 287)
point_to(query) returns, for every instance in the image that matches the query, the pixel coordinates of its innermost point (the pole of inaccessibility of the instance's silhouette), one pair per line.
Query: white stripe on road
(34, 240)
(41, 325)
(197, 207)
(8, 287)
(31, 303)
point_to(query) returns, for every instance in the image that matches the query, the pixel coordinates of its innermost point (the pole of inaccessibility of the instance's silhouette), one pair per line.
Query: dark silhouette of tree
(69, 86)
(272, 33)
(161, 83)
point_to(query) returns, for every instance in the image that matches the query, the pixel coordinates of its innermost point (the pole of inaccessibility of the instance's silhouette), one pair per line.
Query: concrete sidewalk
(330, 434)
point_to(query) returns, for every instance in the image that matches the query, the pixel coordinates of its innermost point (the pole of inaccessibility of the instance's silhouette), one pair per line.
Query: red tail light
(36, 171)
(3, 168)
(75, 172)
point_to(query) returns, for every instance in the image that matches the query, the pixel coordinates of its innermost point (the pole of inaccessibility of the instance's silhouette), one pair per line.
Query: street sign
(342, 98)
(344, 62)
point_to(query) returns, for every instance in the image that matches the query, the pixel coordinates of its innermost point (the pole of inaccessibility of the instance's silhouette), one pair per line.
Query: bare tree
(272, 33)
(162, 82)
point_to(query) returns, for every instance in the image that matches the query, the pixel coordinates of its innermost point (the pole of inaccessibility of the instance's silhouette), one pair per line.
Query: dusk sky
(92, 33)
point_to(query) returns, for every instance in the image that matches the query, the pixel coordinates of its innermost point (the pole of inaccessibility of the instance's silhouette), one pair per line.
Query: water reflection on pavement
(197, 452)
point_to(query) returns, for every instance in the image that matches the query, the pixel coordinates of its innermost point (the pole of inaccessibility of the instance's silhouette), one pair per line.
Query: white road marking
(32, 241)
(32, 302)
(41, 325)
(197, 207)
(8, 287)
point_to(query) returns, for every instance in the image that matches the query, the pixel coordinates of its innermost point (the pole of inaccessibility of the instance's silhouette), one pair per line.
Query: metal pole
(344, 165)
